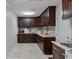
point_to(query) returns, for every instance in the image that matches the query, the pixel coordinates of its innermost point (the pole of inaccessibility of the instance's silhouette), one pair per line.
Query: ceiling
(38, 6)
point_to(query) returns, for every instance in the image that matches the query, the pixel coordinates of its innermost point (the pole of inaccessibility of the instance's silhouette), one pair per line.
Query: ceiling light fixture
(28, 13)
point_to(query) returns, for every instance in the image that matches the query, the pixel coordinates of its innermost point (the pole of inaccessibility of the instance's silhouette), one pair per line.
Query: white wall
(63, 27)
(11, 30)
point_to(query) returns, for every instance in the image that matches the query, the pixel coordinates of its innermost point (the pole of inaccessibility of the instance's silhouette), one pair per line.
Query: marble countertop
(44, 35)
(60, 45)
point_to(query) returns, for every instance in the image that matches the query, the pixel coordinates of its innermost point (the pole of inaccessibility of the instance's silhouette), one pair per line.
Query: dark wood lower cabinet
(48, 45)
(26, 38)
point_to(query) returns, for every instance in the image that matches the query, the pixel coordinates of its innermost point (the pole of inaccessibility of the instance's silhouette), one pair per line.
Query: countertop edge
(60, 45)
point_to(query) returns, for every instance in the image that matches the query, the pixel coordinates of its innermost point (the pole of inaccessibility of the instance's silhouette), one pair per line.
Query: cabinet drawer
(59, 49)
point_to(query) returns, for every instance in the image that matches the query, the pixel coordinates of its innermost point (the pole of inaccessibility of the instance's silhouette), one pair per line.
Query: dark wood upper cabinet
(37, 22)
(32, 22)
(67, 9)
(24, 22)
(21, 22)
(28, 22)
(48, 17)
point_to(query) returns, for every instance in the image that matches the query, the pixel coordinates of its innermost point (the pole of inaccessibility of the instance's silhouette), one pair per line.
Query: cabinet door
(47, 46)
(27, 22)
(67, 9)
(52, 16)
(20, 22)
(42, 21)
(55, 54)
(47, 17)
(37, 22)
(32, 22)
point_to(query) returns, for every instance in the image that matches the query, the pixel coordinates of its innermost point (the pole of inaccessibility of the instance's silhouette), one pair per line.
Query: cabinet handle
(63, 54)
(55, 48)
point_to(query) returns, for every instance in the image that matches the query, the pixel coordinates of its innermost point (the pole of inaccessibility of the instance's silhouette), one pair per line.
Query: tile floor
(26, 51)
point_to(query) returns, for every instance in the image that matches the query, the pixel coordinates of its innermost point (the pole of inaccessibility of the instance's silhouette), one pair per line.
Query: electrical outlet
(67, 37)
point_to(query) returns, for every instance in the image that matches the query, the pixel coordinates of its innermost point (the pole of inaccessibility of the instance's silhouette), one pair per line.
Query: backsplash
(44, 31)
